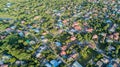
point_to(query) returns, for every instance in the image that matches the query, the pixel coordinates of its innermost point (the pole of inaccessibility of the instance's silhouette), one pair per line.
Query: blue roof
(21, 34)
(109, 65)
(54, 63)
(1, 62)
(5, 19)
(42, 37)
(64, 56)
(13, 27)
(60, 24)
(48, 65)
(108, 21)
(86, 18)
(36, 30)
(58, 43)
(30, 26)
(73, 30)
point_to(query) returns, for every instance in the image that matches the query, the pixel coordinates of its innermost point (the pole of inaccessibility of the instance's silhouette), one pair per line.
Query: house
(58, 14)
(26, 33)
(21, 34)
(73, 38)
(105, 60)
(63, 47)
(6, 57)
(92, 45)
(36, 17)
(65, 21)
(77, 27)
(89, 30)
(113, 63)
(22, 22)
(45, 40)
(42, 37)
(60, 31)
(13, 27)
(7, 19)
(8, 4)
(70, 59)
(112, 29)
(76, 64)
(110, 65)
(109, 41)
(117, 60)
(74, 56)
(39, 50)
(85, 24)
(8, 30)
(60, 24)
(35, 25)
(108, 21)
(58, 44)
(110, 48)
(72, 30)
(28, 41)
(103, 34)
(55, 11)
(36, 30)
(95, 36)
(48, 65)
(63, 53)
(38, 55)
(99, 63)
(32, 42)
(1, 62)
(2, 37)
(75, 24)
(116, 65)
(111, 36)
(44, 33)
(55, 63)
(4, 65)
(29, 26)
(18, 62)
(116, 36)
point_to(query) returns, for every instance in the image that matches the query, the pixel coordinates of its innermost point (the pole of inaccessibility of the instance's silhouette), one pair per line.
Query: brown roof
(36, 17)
(60, 31)
(95, 36)
(85, 23)
(116, 36)
(64, 21)
(4, 65)
(74, 56)
(92, 45)
(89, 30)
(75, 23)
(64, 47)
(111, 36)
(73, 38)
(63, 53)
(44, 33)
(77, 27)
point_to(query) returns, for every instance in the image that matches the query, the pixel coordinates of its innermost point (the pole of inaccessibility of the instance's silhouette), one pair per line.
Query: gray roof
(76, 64)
